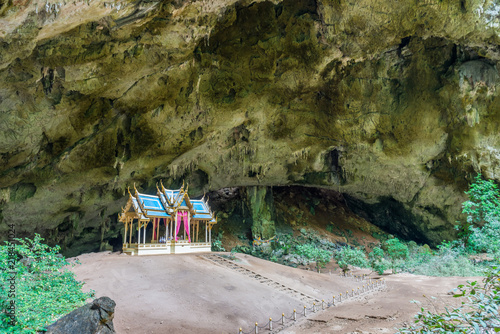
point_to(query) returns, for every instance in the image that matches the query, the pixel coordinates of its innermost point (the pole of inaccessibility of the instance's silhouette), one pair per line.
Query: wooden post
(270, 324)
(294, 315)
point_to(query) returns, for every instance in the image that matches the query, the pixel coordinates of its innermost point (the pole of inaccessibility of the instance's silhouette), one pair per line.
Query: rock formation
(393, 103)
(94, 318)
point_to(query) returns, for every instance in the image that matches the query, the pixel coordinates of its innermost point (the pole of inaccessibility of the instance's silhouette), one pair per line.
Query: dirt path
(192, 294)
(385, 311)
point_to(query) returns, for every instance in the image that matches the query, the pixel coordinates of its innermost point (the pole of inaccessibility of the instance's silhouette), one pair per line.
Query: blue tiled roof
(151, 202)
(202, 216)
(165, 203)
(157, 214)
(137, 208)
(199, 206)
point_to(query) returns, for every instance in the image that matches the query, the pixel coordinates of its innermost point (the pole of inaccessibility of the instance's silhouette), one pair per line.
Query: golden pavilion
(179, 224)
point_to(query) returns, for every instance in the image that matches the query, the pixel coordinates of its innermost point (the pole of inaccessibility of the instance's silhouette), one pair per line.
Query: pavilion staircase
(222, 261)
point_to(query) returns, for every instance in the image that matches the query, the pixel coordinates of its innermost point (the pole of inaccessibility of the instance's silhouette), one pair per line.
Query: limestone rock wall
(394, 103)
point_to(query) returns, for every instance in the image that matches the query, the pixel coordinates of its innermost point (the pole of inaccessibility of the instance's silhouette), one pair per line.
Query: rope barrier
(369, 286)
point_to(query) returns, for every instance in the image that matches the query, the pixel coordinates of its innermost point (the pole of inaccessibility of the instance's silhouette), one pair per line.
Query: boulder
(94, 318)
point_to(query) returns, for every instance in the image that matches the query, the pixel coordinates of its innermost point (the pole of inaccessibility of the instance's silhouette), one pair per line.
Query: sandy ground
(191, 294)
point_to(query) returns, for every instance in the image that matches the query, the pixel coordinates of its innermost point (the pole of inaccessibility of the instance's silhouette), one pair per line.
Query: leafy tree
(396, 251)
(314, 253)
(377, 260)
(45, 289)
(481, 231)
(350, 256)
(478, 312)
(483, 202)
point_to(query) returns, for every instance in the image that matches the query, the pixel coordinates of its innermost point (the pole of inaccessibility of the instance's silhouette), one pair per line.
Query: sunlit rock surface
(393, 103)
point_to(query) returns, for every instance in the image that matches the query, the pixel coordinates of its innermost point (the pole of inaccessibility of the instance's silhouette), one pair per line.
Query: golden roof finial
(182, 185)
(135, 189)
(128, 189)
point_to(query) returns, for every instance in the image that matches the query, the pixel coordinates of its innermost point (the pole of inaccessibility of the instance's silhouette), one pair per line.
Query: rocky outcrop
(94, 318)
(395, 104)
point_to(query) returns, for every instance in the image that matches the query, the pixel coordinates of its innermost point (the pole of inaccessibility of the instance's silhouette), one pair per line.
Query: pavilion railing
(284, 321)
(167, 244)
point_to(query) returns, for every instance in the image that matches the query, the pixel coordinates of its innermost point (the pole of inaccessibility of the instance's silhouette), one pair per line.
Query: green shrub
(377, 260)
(312, 252)
(478, 312)
(350, 256)
(396, 251)
(487, 238)
(45, 289)
(417, 256)
(448, 260)
(217, 243)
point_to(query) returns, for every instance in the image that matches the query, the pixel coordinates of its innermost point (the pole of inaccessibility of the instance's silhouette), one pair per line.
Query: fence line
(370, 286)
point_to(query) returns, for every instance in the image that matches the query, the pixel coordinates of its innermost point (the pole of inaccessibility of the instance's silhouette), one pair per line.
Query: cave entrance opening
(179, 224)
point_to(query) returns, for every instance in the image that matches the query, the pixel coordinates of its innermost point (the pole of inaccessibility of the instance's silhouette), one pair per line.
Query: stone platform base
(171, 247)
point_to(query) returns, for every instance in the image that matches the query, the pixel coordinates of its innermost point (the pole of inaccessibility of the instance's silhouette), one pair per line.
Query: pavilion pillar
(166, 229)
(153, 236)
(184, 229)
(210, 234)
(189, 223)
(195, 228)
(139, 233)
(125, 234)
(206, 232)
(175, 229)
(171, 225)
(158, 230)
(130, 234)
(144, 236)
